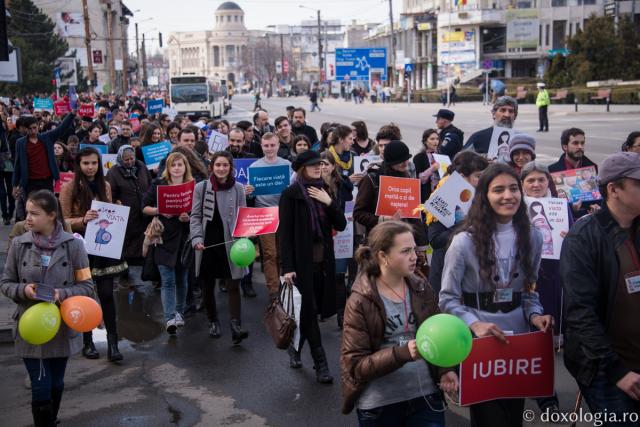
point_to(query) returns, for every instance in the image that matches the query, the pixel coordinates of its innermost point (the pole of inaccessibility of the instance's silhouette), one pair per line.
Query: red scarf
(229, 183)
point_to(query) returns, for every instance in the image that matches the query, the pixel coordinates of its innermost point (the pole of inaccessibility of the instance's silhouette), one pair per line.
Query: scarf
(46, 245)
(316, 208)
(222, 186)
(344, 165)
(127, 172)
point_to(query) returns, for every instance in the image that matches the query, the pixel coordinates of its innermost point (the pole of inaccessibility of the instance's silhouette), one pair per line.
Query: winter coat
(227, 202)
(70, 209)
(68, 272)
(296, 247)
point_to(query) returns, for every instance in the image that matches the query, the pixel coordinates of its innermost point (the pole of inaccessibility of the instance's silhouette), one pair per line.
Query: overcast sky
(198, 15)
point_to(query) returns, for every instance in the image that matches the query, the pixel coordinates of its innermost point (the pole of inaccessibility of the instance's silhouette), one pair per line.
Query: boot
(56, 398)
(294, 357)
(214, 329)
(113, 354)
(89, 350)
(321, 366)
(42, 414)
(237, 333)
(247, 289)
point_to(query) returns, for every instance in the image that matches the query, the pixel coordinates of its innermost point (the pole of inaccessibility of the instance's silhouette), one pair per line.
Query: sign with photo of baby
(577, 185)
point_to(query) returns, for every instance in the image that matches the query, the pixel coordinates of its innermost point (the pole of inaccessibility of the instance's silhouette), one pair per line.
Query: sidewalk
(7, 307)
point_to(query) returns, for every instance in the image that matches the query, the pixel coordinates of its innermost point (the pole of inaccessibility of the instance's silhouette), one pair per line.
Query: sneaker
(171, 326)
(179, 320)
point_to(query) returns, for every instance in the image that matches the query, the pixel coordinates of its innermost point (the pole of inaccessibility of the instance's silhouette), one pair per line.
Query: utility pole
(144, 63)
(393, 45)
(87, 44)
(282, 54)
(320, 61)
(125, 56)
(137, 57)
(110, 46)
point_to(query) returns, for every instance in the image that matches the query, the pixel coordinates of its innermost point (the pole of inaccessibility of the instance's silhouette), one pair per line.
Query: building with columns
(212, 53)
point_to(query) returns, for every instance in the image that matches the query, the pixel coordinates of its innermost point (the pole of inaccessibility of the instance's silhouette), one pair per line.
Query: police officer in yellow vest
(542, 102)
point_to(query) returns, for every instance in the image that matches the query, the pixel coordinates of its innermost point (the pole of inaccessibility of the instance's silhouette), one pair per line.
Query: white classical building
(216, 53)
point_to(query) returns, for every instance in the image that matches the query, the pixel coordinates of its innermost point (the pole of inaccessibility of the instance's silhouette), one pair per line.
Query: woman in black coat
(307, 217)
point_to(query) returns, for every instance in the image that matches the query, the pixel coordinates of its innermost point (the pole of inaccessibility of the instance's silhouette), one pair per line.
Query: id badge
(633, 282)
(404, 340)
(503, 295)
(45, 260)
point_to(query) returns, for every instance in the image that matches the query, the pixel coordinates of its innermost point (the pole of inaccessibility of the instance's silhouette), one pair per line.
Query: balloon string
(218, 244)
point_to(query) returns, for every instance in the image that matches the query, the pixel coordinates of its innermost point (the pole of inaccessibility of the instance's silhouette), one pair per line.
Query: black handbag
(187, 254)
(150, 271)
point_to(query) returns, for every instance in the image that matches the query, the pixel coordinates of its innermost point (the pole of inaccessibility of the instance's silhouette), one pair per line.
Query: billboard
(68, 75)
(523, 29)
(70, 24)
(357, 64)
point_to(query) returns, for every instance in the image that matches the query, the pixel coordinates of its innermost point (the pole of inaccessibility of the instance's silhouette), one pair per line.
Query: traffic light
(160, 39)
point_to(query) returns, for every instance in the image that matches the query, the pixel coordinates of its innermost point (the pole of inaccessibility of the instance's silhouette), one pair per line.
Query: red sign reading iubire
(495, 370)
(256, 221)
(175, 199)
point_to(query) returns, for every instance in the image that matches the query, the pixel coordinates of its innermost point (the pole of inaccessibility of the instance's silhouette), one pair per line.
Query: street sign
(357, 64)
(610, 9)
(97, 57)
(408, 68)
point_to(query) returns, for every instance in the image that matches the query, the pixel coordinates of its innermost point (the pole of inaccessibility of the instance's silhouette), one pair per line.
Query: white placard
(451, 202)
(551, 217)
(499, 146)
(171, 112)
(104, 138)
(343, 242)
(361, 163)
(105, 235)
(108, 161)
(217, 142)
(444, 162)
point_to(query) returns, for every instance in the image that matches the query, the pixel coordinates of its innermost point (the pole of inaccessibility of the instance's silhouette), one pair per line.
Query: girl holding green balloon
(45, 255)
(489, 276)
(387, 304)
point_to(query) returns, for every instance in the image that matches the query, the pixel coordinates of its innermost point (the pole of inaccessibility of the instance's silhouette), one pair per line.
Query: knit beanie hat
(396, 152)
(521, 141)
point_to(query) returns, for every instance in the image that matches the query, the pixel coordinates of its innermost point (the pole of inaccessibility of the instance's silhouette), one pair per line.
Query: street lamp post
(138, 49)
(320, 59)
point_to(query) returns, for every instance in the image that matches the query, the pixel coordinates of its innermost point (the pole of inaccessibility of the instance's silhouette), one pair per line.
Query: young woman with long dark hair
(489, 276)
(76, 196)
(426, 166)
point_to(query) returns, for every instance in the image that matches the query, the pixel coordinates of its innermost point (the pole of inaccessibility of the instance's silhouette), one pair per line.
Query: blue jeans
(47, 377)
(603, 396)
(411, 413)
(173, 292)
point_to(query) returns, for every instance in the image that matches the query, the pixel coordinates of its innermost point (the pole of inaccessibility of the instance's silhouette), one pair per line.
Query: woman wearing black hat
(307, 216)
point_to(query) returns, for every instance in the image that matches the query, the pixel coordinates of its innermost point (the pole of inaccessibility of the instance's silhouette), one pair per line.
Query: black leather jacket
(590, 272)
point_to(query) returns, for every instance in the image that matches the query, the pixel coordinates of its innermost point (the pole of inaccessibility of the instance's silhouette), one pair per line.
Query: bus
(197, 96)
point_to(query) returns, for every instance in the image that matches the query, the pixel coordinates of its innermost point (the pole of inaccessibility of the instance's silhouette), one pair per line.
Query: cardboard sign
(217, 142)
(155, 105)
(499, 145)
(495, 370)
(42, 104)
(577, 184)
(269, 179)
(154, 153)
(108, 161)
(398, 194)
(64, 178)
(175, 199)
(86, 110)
(443, 161)
(241, 170)
(451, 202)
(361, 163)
(256, 221)
(100, 148)
(61, 108)
(551, 217)
(105, 235)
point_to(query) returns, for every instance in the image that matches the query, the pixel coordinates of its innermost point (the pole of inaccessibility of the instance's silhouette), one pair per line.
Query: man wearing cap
(450, 136)
(522, 150)
(600, 269)
(85, 122)
(542, 102)
(504, 113)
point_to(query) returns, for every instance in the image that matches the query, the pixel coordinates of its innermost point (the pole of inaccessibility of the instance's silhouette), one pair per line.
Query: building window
(235, 18)
(558, 3)
(216, 56)
(228, 18)
(493, 40)
(559, 34)
(540, 35)
(577, 27)
(546, 34)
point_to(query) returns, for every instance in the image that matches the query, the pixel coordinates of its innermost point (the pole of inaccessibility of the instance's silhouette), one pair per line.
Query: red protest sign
(64, 178)
(495, 370)
(398, 194)
(256, 221)
(86, 110)
(175, 199)
(61, 108)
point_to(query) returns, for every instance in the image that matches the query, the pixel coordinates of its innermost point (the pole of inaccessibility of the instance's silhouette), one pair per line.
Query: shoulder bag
(279, 323)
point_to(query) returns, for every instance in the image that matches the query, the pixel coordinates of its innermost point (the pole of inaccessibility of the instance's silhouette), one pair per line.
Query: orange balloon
(80, 313)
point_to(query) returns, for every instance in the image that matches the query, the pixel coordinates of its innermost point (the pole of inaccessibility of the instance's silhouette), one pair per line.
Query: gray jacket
(68, 261)
(228, 203)
(461, 273)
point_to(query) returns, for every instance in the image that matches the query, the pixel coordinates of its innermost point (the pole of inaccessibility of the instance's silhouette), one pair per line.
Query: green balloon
(40, 323)
(242, 252)
(444, 340)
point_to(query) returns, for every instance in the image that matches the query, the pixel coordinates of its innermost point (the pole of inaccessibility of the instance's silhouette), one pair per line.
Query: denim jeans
(411, 413)
(47, 377)
(603, 396)
(173, 292)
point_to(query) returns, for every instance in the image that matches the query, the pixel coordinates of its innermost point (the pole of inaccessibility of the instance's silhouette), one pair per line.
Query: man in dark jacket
(252, 142)
(600, 266)
(300, 126)
(450, 136)
(236, 145)
(504, 113)
(123, 139)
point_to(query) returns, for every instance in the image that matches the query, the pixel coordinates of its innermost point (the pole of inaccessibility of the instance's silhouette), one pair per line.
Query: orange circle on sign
(465, 196)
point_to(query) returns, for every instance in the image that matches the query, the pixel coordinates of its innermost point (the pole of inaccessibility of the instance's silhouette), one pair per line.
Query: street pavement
(193, 380)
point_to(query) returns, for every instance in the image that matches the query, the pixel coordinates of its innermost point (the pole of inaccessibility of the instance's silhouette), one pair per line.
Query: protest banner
(155, 105)
(64, 178)
(551, 217)
(398, 194)
(104, 235)
(256, 221)
(108, 161)
(154, 153)
(100, 148)
(171, 112)
(451, 202)
(241, 170)
(269, 179)
(86, 110)
(443, 161)
(499, 145)
(495, 370)
(104, 138)
(577, 185)
(175, 199)
(61, 108)
(42, 104)
(217, 142)
(361, 163)
(343, 240)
